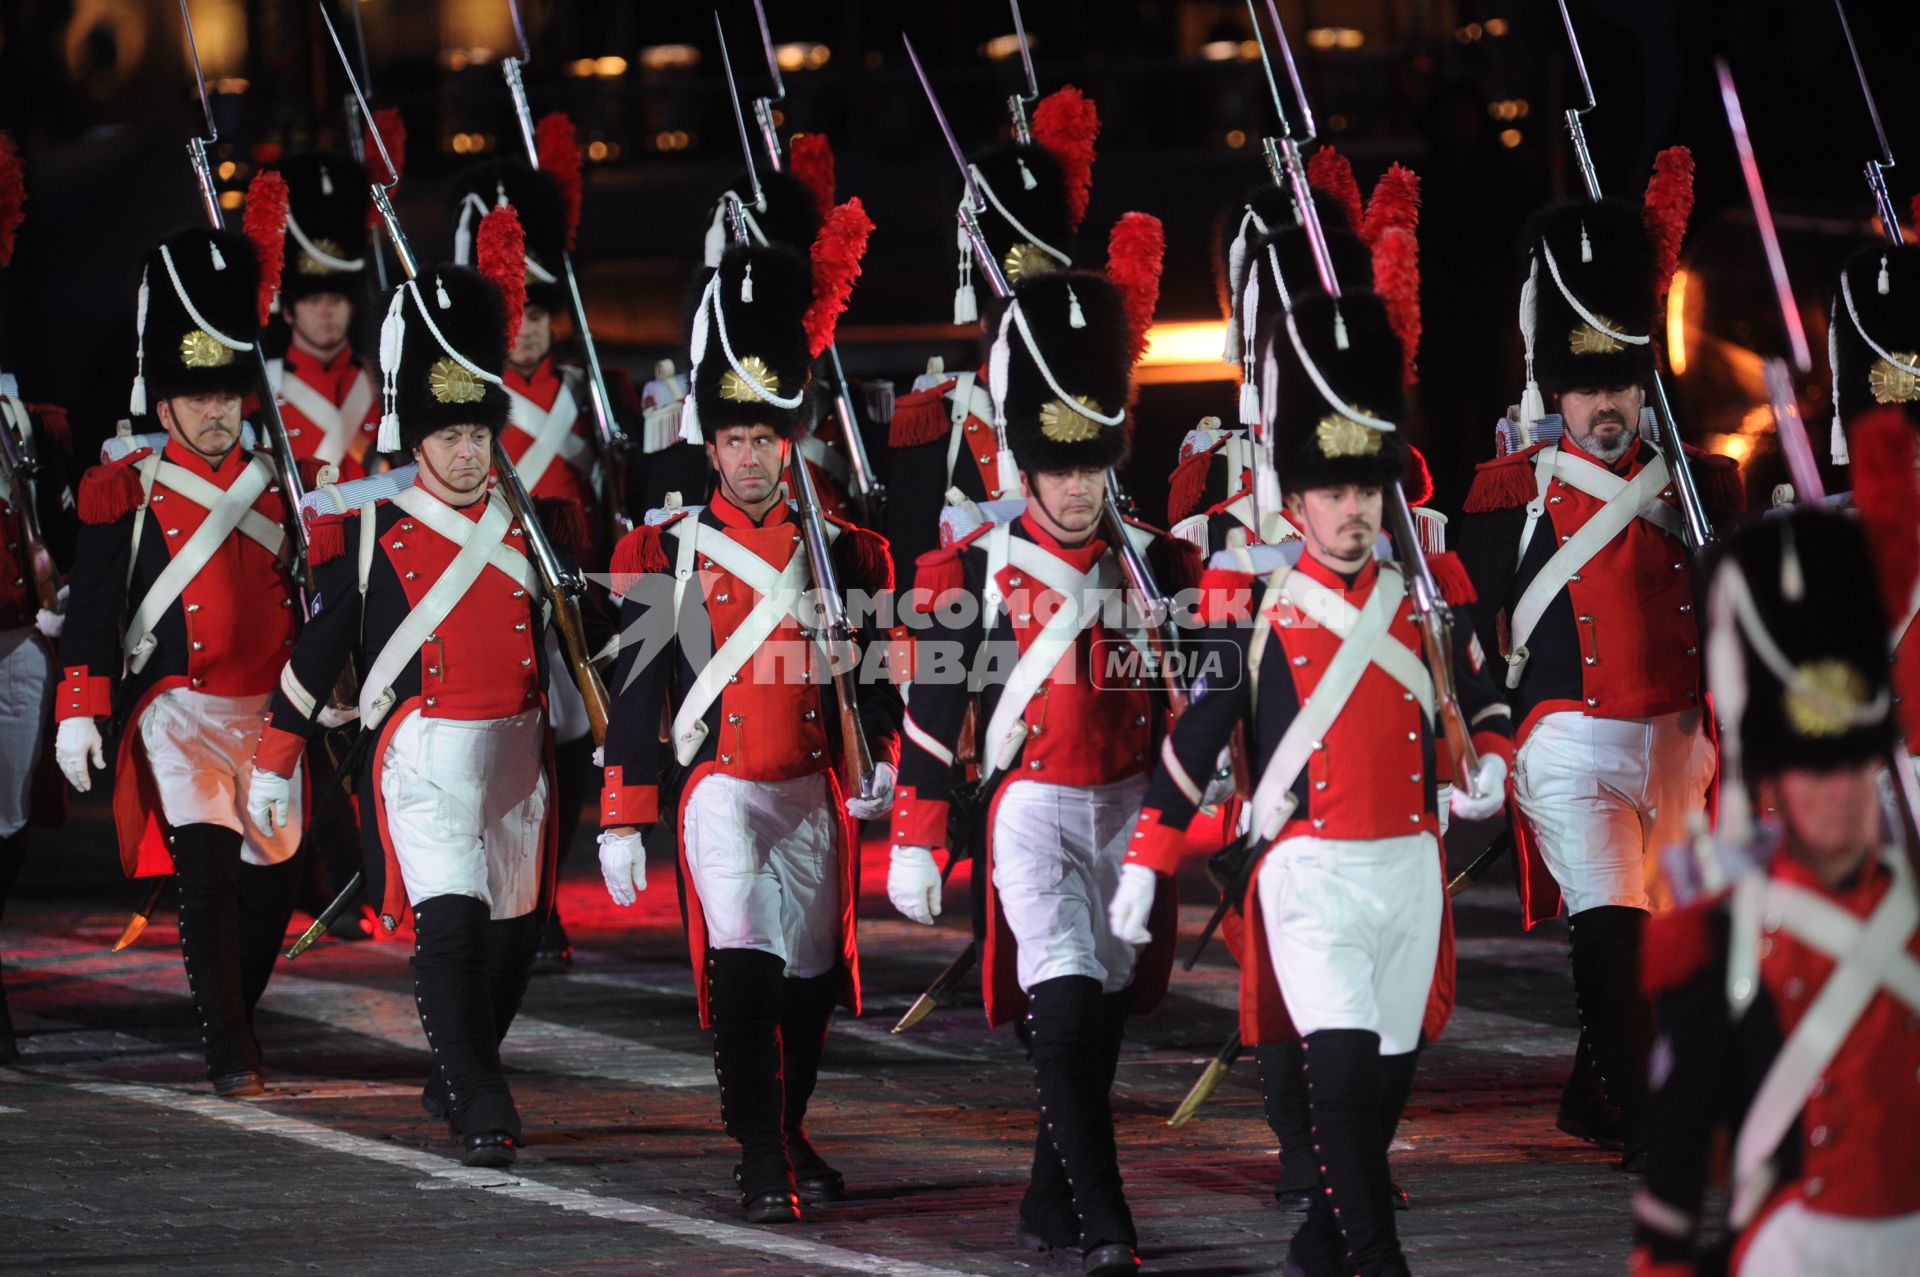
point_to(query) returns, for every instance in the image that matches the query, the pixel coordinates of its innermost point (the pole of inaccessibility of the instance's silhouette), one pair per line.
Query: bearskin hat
(1874, 332)
(1588, 262)
(1061, 372)
(788, 214)
(326, 248)
(1028, 222)
(1265, 210)
(542, 207)
(198, 318)
(751, 360)
(442, 347)
(1797, 646)
(1330, 373)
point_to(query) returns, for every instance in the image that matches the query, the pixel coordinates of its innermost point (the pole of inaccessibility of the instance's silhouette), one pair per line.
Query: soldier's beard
(1610, 449)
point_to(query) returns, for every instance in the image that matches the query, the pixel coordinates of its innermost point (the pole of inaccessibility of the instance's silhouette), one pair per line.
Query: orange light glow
(1677, 323)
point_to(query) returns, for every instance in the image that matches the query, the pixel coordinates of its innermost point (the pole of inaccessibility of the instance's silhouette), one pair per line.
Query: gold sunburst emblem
(1340, 436)
(311, 265)
(449, 381)
(201, 349)
(1588, 340)
(1064, 422)
(1024, 260)
(1893, 384)
(738, 389)
(1829, 694)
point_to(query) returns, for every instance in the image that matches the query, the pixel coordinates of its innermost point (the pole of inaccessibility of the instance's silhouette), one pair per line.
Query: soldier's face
(1069, 501)
(209, 424)
(749, 460)
(1603, 420)
(1341, 524)
(320, 322)
(534, 340)
(459, 457)
(1831, 818)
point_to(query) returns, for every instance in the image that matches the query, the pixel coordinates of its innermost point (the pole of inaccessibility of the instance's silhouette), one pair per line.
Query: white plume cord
(325, 258)
(1326, 391)
(137, 400)
(690, 431)
(997, 361)
(393, 338)
(1853, 316)
(1015, 222)
(1593, 320)
(1837, 449)
(193, 312)
(1727, 688)
(1237, 281)
(1533, 405)
(1249, 308)
(717, 303)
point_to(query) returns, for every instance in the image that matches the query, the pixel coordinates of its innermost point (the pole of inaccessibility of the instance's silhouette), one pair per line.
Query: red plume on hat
(500, 253)
(1396, 277)
(392, 128)
(557, 154)
(1882, 445)
(1394, 204)
(1066, 122)
(1331, 172)
(836, 254)
(810, 160)
(1669, 203)
(13, 195)
(1136, 253)
(265, 222)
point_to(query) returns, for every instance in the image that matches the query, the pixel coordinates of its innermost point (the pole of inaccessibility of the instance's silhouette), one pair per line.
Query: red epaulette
(52, 421)
(1678, 947)
(1723, 490)
(939, 572)
(1450, 574)
(921, 416)
(863, 556)
(640, 552)
(111, 491)
(1504, 483)
(1187, 487)
(1227, 595)
(565, 521)
(327, 537)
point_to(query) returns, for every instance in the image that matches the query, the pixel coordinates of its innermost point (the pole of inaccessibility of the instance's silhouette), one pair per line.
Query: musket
(942, 987)
(1216, 1072)
(614, 444)
(836, 629)
(22, 467)
(356, 134)
(1875, 168)
(562, 588)
(869, 494)
(1693, 514)
(269, 402)
(1430, 608)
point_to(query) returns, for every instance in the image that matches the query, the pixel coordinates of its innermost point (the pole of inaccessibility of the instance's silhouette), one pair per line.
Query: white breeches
(200, 750)
(764, 859)
(1795, 1241)
(27, 684)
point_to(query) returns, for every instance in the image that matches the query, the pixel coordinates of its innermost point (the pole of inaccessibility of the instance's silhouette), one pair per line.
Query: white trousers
(200, 750)
(1353, 929)
(1797, 1242)
(764, 861)
(466, 803)
(1606, 796)
(27, 684)
(1057, 852)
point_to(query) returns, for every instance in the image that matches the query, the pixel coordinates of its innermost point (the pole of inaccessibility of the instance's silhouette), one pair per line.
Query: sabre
(356, 133)
(1018, 103)
(143, 915)
(942, 987)
(269, 402)
(1876, 169)
(1215, 1073)
(614, 444)
(1693, 514)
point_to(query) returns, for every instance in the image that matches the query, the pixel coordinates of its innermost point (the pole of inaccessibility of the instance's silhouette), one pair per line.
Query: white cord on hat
(1836, 435)
(193, 312)
(393, 337)
(1533, 404)
(1237, 282)
(137, 400)
(1853, 315)
(320, 255)
(1016, 223)
(1326, 391)
(712, 300)
(1598, 325)
(1019, 317)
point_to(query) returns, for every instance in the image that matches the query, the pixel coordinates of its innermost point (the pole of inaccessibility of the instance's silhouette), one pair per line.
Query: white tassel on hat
(393, 336)
(997, 366)
(137, 401)
(746, 284)
(1026, 175)
(1837, 434)
(1884, 285)
(1249, 310)
(1076, 318)
(1533, 404)
(966, 307)
(220, 262)
(696, 355)
(326, 181)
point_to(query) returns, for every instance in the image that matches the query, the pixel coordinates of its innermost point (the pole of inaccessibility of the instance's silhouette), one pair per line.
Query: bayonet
(1576, 128)
(1876, 168)
(975, 203)
(1018, 104)
(763, 105)
(380, 190)
(357, 128)
(739, 117)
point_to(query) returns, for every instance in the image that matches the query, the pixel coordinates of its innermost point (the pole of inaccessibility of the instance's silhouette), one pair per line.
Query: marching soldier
(434, 592)
(1786, 1004)
(327, 397)
(1345, 906)
(183, 549)
(1577, 543)
(715, 643)
(1066, 744)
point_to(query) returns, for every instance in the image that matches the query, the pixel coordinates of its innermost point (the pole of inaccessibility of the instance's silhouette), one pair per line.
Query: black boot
(206, 863)
(1615, 1014)
(266, 894)
(806, 1009)
(13, 854)
(455, 996)
(574, 776)
(1283, 1090)
(510, 944)
(744, 992)
(1048, 1224)
(1585, 1112)
(1074, 1036)
(1345, 1104)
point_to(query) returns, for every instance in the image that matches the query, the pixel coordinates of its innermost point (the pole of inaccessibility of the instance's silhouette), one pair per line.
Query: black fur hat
(761, 295)
(1816, 603)
(326, 246)
(788, 214)
(447, 372)
(1876, 303)
(1594, 255)
(1265, 210)
(1066, 329)
(1023, 184)
(198, 318)
(1347, 349)
(542, 208)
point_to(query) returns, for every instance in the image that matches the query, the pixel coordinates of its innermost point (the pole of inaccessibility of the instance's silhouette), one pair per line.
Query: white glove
(51, 621)
(1491, 782)
(332, 716)
(913, 883)
(880, 801)
(79, 740)
(623, 864)
(270, 800)
(1132, 904)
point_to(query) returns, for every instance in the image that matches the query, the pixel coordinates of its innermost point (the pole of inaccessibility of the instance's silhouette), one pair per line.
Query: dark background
(99, 94)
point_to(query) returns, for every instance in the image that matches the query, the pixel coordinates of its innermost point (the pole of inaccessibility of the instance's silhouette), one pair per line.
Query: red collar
(732, 516)
(470, 511)
(231, 466)
(1626, 467)
(1860, 897)
(542, 386)
(1080, 557)
(1320, 572)
(309, 365)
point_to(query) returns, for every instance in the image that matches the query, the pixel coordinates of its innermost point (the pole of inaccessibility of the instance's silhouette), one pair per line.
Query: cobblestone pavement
(115, 1157)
